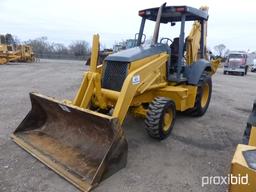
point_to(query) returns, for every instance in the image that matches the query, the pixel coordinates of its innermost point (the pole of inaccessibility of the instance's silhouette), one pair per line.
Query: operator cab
(177, 46)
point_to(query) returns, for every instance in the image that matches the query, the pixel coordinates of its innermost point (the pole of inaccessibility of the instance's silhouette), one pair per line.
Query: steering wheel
(167, 40)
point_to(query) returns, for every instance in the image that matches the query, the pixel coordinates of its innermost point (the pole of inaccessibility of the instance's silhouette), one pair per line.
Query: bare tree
(60, 49)
(45, 49)
(220, 49)
(79, 48)
(40, 45)
(226, 52)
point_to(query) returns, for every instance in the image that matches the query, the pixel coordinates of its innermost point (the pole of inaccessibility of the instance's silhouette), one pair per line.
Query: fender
(196, 69)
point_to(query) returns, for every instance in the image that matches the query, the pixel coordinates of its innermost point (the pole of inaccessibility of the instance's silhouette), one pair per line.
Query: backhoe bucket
(81, 145)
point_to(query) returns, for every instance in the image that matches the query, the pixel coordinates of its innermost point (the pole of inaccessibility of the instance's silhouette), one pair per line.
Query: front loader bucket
(81, 145)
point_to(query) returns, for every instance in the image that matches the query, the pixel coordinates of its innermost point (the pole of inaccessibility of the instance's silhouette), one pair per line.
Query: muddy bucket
(81, 145)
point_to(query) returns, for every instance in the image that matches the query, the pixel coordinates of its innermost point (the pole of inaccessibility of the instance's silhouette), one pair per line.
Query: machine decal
(136, 79)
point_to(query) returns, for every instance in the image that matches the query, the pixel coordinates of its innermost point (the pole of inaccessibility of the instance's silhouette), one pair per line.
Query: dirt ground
(197, 147)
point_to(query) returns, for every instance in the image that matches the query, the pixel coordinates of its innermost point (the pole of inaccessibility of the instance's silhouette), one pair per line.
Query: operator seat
(174, 54)
(175, 50)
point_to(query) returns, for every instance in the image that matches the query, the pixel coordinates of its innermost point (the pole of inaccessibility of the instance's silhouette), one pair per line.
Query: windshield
(165, 31)
(236, 56)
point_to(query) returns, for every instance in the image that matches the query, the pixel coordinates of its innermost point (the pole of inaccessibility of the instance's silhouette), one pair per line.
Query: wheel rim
(167, 121)
(205, 94)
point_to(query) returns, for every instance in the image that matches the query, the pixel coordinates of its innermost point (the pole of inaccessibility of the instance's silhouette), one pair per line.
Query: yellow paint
(151, 82)
(129, 89)
(23, 53)
(110, 94)
(240, 167)
(95, 53)
(148, 82)
(3, 61)
(167, 121)
(183, 96)
(214, 65)
(80, 93)
(91, 83)
(99, 69)
(205, 94)
(89, 92)
(89, 86)
(139, 111)
(137, 64)
(252, 141)
(99, 96)
(193, 41)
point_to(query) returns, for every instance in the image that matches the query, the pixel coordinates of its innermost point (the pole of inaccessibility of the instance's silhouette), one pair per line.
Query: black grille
(114, 75)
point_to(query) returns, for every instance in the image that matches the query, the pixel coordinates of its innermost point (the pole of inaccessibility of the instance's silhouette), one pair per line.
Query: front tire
(160, 118)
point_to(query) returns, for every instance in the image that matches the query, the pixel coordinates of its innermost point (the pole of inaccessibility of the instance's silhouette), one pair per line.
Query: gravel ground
(197, 147)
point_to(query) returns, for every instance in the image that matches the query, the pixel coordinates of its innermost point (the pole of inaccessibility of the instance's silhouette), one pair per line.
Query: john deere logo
(135, 79)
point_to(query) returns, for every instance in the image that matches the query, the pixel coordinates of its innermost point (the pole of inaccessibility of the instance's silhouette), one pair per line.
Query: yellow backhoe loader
(82, 140)
(243, 167)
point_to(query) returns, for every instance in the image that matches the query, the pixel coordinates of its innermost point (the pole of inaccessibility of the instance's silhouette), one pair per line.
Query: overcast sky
(232, 23)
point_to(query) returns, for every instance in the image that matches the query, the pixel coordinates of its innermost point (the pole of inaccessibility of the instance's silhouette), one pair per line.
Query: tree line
(43, 48)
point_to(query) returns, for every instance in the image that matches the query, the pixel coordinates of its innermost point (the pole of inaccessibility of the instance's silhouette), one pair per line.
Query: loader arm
(91, 80)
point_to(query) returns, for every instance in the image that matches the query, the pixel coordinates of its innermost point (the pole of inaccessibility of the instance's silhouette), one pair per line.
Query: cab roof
(174, 13)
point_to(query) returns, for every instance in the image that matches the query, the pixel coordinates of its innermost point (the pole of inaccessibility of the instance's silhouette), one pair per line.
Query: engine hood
(136, 53)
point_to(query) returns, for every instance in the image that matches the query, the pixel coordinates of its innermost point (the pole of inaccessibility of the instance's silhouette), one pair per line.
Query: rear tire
(203, 97)
(160, 118)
